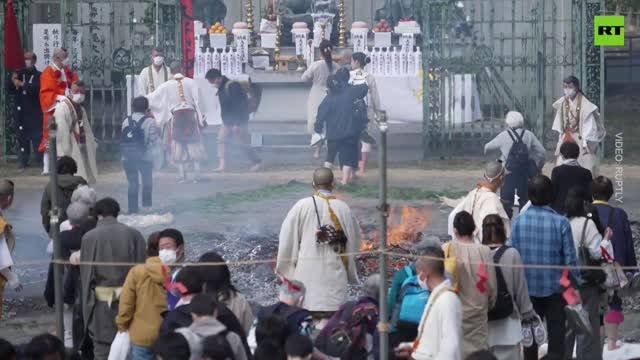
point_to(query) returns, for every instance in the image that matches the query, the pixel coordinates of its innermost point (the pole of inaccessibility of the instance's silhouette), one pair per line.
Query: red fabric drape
(13, 56)
(188, 45)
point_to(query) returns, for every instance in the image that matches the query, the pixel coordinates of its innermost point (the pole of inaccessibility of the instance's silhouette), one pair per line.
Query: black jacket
(566, 177)
(181, 317)
(336, 113)
(27, 100)
(234, 103)
(66, 186)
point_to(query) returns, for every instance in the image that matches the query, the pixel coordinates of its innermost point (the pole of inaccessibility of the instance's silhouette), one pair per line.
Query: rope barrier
(236, 263)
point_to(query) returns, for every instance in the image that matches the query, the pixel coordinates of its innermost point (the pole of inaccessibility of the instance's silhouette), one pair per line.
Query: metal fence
(516, 51)
(117, 38)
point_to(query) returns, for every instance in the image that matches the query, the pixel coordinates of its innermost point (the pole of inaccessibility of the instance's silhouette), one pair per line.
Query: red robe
(50, 87)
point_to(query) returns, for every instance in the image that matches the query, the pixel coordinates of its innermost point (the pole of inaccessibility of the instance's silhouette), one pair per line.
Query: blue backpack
(412, 300)
(132, 143)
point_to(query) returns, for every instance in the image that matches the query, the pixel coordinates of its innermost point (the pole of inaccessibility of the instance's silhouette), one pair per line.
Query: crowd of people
(495, 290)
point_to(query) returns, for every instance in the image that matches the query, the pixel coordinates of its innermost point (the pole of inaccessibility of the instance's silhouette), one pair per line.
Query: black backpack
(503, 307)
(344, 336)
(518, 158)
(132, 143)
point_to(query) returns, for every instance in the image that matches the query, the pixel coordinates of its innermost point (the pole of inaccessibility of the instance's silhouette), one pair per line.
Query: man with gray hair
(55, 86)
(7, 242)
(405, 315)
(483, 200)
(289, 307)
(440, 329)
(512, 143)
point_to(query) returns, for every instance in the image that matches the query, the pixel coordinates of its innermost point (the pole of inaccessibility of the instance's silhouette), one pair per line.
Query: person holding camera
(316, 239)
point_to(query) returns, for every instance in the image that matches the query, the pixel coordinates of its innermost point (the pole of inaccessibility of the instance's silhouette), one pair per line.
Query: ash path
(247, 230)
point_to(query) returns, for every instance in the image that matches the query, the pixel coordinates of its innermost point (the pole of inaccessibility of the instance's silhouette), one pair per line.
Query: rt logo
(609, 30)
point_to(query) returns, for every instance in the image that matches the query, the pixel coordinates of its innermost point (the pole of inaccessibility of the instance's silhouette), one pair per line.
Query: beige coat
(475, 304)
(319, 267)
(67, 144)
(240, 307)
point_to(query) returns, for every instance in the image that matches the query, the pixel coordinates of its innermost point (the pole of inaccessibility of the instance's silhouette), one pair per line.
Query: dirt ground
(237, 214)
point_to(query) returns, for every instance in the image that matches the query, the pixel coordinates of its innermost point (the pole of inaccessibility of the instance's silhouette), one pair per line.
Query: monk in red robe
(55, 85)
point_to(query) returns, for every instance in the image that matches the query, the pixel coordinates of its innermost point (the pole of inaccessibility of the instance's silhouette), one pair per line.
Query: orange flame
(404, 227)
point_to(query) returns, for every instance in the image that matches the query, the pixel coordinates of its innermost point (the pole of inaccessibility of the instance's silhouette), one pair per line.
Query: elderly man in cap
(514, 140)
(483, 200)
(7, 242)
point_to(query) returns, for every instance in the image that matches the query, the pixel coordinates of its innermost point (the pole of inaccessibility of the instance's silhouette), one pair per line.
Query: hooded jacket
(204, 327)
(66, 185)
(142, 302)
(180, 317)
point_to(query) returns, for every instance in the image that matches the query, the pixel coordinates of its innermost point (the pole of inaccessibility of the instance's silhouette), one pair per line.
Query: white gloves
(60, 98)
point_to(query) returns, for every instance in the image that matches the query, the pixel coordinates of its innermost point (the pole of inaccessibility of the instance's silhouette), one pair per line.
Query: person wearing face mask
(440, 329)
(24, 86)
(142, 302)
(578, 119)
(171, 251)
(75, 136)
(55, 86)
(154, 75)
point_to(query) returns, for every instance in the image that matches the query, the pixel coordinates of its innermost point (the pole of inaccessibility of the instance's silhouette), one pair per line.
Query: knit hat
(494, 169)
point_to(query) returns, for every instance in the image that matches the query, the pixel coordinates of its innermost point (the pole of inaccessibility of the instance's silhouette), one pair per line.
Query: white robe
(592, 132)
(318, 267)
(442, 336)
(67, 145)
(166, 97)
(486, 203)
(150, 72)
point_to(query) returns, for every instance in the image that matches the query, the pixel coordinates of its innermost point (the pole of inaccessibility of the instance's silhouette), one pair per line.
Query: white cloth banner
(407, 42)
(359, 40)
(300, 39)
(401, 98)
(242, 44)
(46, 37)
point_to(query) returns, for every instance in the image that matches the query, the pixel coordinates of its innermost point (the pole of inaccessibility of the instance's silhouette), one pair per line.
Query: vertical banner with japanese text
(46, 37)
(187, 33)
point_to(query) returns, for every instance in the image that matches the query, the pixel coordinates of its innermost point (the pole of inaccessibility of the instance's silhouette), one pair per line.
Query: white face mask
(66, 62)
(28, 63)
(422, 283)
(78, 98)
(168, 256)
(158, 60)
(569, 92)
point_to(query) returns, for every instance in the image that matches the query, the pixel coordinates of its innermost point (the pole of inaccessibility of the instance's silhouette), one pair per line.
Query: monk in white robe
(154, 75)
(578, 119)
(176, 104)
(75, 136)
(320, 267)
(7, 243)
(483, 201)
